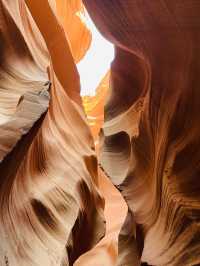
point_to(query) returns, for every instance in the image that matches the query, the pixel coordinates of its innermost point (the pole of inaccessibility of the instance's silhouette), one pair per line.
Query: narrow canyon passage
(99, 132)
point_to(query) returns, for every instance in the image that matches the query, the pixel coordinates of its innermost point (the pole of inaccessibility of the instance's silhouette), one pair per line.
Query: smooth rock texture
(150, 140)
(109, 180)
(51, 206)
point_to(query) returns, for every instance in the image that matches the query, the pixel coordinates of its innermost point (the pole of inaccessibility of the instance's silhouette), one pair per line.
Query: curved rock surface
(51, 207)
(150, 141)
(112, 181)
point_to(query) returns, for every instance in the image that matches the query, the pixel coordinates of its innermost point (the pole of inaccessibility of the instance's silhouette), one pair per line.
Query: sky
(96, 62)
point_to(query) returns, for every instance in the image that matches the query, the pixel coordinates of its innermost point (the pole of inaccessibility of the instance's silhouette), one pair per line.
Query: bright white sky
(96, 62)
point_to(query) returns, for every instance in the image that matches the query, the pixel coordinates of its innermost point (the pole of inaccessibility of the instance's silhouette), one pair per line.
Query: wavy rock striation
(150, 140)
(57, 203)
(51, 207)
